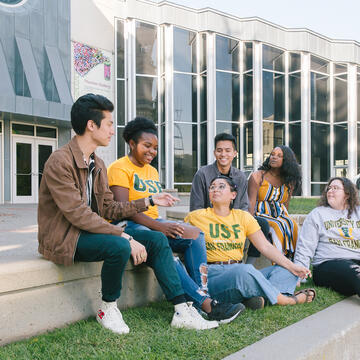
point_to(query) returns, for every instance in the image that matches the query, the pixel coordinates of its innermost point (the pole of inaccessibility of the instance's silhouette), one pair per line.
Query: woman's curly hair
(136, 127)
(349, 189)
(289, 171)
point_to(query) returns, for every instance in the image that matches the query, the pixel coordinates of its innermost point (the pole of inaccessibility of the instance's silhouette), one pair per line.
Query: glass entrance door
(29, 157)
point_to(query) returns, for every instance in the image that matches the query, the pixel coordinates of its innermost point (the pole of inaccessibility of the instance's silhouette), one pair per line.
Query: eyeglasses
(334, 188)
(221, 187)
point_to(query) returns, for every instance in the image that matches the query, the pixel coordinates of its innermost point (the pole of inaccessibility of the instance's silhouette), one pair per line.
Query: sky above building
(332, 18)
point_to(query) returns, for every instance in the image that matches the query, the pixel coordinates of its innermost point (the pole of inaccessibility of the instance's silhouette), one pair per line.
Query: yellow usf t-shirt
(141, 181)
(224, 235)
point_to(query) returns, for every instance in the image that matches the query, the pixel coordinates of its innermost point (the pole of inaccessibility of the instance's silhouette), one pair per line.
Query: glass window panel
(120, 49)
(340, 100)
(358, 148)
(203, 98)
(227, 96)
(163, 108)
(227, 53)
(163, 50)
(340, 68)
(317, 189)
(185, 152)
(318, 64)
(248, 144)
(273, 96)
(233, 129)
(273, 59)
(203, 53)
(295, 139)
(203, 144)
(320, 97)
(340, 146)
(21, 129)
(341, 172)
(320, 152)
(46, 132)
(23, 169)
(185, 98)
(163, 149)
(248, 56)
(248, 95)
(43, 154)
(295, 62)
(273, 135)
(120, 142)
(295, 96)
(120, 103)
(146, 97)
(358, 98)
(0, 127)
(184, 50)
(146, 49)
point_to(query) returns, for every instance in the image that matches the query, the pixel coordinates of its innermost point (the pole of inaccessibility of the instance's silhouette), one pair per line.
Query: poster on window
(92, 72)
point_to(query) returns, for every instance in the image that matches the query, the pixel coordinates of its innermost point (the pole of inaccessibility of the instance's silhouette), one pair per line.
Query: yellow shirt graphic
(224, 235)
(141, 181)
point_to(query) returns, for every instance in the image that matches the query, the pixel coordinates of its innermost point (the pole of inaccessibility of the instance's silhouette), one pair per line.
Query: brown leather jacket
(63, 211)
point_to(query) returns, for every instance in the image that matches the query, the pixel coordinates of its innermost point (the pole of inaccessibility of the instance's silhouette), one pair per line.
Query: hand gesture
(138, 252)
(164, 199)
(172, 229)
(300, 271)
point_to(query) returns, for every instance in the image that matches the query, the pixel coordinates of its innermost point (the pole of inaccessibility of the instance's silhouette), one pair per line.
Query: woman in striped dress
(270, 189)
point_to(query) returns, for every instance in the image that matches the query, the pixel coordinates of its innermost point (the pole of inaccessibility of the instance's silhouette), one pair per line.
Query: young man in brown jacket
(75, 200)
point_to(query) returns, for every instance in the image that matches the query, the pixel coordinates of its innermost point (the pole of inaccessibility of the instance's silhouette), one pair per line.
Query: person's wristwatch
(151, 201)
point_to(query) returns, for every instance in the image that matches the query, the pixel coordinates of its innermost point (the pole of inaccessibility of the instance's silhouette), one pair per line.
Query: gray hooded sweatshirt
(328, 234)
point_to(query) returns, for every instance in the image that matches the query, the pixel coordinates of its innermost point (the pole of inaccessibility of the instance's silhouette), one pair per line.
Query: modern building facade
(200, 72)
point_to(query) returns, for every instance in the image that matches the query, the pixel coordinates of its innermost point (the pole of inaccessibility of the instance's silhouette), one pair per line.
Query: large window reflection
(227, 54)
(185, 152)
(248, 95)
(340, 146)
(273, 96)
(320, 152)
(340, 98)
(273, 135)
(146, 97)
(184, 50)
(273, 59)
(295, 139)
(227, 96)
(248, 144)
(295, 96)
(146, 48)
(185, 98)
(320, 97)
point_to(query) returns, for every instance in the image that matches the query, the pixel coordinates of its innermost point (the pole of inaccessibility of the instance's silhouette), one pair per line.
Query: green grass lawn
(151, 336)
(302, 205)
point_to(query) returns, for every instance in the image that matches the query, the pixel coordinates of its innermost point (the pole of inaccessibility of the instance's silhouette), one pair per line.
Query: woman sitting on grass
(270, 189)
(330, 238)
(132, 177)
(230, 280)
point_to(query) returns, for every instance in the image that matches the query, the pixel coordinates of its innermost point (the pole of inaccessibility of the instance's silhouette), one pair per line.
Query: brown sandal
(309, 292)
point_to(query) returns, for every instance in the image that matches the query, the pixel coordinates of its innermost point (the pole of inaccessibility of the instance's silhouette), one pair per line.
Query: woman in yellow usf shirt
(230, 280)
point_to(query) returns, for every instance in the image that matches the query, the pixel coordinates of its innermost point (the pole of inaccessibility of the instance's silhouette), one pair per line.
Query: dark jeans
(265, 228)
(115, 252)
(342, 276)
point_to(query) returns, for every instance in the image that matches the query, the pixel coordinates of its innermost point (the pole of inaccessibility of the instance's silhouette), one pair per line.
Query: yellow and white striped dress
(270, 205)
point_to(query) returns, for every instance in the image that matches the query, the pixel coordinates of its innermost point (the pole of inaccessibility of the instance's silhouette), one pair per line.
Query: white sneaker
(109, 316)
(187, 317)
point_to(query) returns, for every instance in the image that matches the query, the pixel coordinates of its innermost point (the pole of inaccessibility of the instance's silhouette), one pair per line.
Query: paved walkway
(18, 233)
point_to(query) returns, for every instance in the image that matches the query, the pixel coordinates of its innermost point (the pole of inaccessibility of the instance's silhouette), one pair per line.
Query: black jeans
(341, 275)
(115, 252)
(265, 228)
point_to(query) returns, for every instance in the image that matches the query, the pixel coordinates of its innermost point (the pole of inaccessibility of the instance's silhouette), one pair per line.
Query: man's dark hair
(225, 137)
(89, 107)
(136, 127)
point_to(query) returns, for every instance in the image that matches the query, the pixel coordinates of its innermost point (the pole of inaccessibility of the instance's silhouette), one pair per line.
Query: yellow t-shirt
(224, 235)
(141, 181)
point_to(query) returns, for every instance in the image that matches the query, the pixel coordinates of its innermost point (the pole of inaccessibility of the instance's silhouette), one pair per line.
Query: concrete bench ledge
(331, 334)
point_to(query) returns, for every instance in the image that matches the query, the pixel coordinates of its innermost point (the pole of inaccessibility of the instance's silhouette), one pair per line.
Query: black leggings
(265, 228)
(341, 275)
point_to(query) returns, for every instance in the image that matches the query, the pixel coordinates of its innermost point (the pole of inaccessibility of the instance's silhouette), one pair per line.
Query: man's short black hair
(89, 107)
(225, 137)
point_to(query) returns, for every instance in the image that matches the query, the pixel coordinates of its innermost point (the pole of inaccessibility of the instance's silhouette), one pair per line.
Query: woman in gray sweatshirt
(330, 238)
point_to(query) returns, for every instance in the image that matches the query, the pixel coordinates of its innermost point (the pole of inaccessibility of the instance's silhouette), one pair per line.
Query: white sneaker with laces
(109, 316)
(187, 317)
